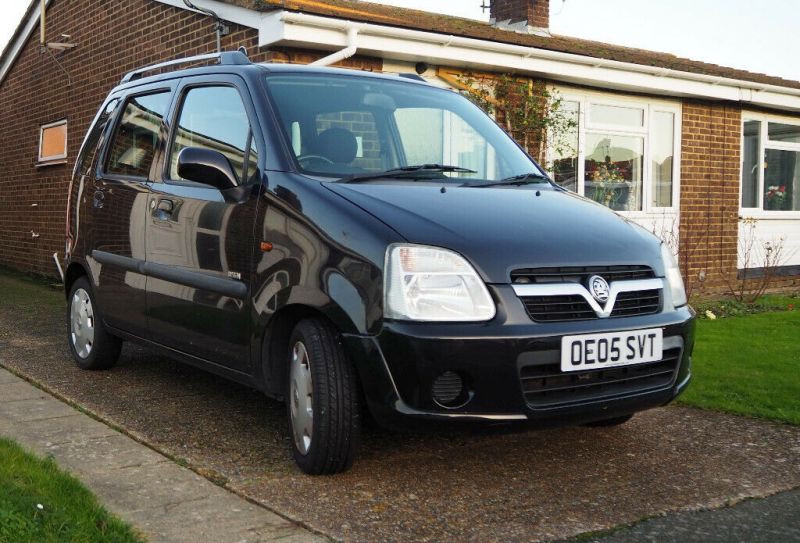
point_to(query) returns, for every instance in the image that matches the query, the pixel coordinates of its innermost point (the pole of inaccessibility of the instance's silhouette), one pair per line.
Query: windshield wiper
(518, 180)
(419, 171)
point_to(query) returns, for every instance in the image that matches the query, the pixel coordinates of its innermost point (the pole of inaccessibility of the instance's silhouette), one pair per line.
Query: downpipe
(58, 265)
(347, 52)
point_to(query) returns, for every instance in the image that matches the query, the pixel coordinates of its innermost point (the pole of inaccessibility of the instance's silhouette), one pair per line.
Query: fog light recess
(449, 390)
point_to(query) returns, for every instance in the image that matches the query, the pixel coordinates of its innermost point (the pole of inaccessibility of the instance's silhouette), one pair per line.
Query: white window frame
(764, 143)
(650, 106)
(53, 159)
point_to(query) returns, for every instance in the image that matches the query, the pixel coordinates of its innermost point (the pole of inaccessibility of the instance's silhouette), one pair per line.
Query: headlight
(430, 284)
(673, 275)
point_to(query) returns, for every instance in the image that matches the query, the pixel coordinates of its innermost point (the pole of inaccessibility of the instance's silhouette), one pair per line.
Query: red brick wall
(535, 12)
(710, 156)
(113, 38)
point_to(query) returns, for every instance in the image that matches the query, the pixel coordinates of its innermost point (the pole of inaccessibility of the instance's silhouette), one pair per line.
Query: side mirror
(206, 166)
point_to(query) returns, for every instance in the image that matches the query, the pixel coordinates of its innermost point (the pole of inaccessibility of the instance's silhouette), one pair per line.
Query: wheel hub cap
(301, 398)
(81, 320)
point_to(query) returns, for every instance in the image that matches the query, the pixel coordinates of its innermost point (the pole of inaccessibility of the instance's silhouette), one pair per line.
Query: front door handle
(163, 211)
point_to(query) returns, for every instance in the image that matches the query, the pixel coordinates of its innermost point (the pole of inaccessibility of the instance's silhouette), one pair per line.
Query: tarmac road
(491, 485)
(769, 520)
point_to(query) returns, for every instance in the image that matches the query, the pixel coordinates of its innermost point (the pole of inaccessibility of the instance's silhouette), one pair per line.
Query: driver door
(200, 246)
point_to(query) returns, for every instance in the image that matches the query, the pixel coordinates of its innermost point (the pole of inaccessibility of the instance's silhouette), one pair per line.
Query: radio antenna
(220, 27)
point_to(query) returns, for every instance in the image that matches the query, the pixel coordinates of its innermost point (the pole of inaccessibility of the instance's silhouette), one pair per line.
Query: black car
(343, 240)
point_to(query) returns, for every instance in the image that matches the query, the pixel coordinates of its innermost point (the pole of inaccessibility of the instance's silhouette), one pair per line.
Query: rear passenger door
(199, 246)
(118, 197)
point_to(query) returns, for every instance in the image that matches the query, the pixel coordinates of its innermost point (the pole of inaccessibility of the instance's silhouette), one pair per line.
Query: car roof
(129, 83)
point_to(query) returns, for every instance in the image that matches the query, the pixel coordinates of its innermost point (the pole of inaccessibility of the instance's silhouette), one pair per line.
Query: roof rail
(224, 58)
(415, 77)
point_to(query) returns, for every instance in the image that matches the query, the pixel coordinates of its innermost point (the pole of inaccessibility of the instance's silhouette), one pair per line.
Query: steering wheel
(303, 158)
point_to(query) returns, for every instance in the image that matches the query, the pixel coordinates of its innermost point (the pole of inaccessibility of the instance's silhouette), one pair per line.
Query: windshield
(349, 126)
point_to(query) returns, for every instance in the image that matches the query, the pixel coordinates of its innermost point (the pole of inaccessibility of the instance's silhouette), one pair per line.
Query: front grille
(558, 308)
(579, 274)
(545, 386)
(642, 302)
(574, 307)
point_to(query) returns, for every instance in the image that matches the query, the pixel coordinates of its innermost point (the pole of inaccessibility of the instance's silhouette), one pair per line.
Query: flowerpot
(774, 205)
(613, 194)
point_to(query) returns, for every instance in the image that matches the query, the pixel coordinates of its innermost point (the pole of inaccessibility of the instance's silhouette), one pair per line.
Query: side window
(91, 145)
(134, 142)
(213, 118)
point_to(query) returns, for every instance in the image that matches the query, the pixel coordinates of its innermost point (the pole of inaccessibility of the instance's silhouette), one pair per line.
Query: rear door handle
(99, 196)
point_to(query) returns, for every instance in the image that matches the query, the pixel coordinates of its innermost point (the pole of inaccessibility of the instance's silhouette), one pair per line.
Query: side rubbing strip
(219, 285)
(125, 262)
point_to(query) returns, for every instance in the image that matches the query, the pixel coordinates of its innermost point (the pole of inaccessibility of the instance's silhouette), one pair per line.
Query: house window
(621, 153)
(770, 164)
(53, 142)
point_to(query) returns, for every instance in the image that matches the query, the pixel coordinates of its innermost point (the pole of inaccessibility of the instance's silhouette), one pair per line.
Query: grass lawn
(748, 365)
(30, 295)
(40, 503)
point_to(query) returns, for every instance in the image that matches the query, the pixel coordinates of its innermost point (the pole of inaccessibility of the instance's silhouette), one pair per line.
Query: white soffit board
(314, 32)
(324, 33)
(228, 12)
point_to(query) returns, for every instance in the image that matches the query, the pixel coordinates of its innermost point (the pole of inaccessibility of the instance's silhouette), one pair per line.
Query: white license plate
(597, 351)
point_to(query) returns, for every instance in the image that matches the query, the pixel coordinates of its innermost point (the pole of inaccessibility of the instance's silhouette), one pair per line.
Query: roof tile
(445, 24)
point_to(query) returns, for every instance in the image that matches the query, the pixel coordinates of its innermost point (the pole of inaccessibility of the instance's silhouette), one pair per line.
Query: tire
(92, 347)
(605, 423)
(325, 429)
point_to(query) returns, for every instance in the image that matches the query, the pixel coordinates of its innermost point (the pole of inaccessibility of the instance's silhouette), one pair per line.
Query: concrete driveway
(493, 485)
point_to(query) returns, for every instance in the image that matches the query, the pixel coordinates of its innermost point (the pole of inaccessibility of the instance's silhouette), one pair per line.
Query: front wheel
(322, 400)
(92, 347)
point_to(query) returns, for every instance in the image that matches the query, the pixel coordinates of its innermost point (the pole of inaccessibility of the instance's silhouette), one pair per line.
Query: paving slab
(102, 454)
(8, 378)
(40, 434)
(19, 390)
(38, 408)
(163, 500)
(248, 524)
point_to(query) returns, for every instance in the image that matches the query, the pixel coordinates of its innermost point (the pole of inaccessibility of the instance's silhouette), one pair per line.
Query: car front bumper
(507, 366)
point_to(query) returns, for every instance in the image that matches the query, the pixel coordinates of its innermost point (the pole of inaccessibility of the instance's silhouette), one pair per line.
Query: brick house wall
(113, 38)
(710, 196)
(709, 207)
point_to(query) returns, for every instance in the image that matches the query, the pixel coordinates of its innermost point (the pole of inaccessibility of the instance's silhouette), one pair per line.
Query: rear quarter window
(134, 142)
(86, 157)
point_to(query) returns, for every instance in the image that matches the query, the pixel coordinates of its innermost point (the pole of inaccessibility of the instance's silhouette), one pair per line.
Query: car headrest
(338, 145)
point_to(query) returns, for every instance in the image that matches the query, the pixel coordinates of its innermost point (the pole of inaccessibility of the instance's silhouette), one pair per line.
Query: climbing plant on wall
(530, 112)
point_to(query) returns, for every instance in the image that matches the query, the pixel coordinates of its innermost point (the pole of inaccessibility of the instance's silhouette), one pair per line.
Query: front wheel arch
(275, 344)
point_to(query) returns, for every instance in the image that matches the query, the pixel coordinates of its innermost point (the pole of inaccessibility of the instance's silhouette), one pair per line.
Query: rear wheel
(616, 421)
(322, 400)
(92, 347)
